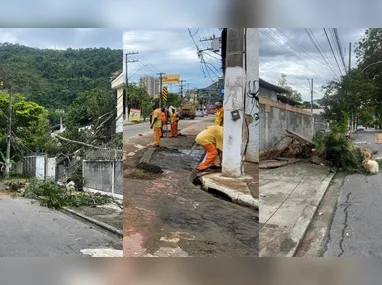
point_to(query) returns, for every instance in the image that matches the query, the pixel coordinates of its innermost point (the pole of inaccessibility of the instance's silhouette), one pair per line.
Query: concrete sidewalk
(289, 198)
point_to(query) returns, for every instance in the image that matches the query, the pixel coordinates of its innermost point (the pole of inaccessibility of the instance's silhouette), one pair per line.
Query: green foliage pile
(54, 196)
(342, 153)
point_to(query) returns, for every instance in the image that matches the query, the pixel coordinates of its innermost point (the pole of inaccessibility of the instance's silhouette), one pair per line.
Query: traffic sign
(164, 93)
(222, 91)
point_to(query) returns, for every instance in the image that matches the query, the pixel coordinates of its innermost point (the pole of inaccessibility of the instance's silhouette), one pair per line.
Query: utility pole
(181, 88)
(251, 125)
(8, 154)
(127, 60)
(234, 104)
(349, 70)
(311, 97)
(311, 105)
(160, 88)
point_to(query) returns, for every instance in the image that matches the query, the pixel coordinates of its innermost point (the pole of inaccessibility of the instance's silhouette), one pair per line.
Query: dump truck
(187, 111)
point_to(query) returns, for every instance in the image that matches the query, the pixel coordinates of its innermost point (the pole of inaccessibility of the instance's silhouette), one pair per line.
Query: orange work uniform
(174, 124)
(163, 119)
(219, 117)
(157, 127)
(211, 140)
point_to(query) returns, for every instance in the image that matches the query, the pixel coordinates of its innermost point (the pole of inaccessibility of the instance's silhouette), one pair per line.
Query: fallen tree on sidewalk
(55, 196)
(330, 148)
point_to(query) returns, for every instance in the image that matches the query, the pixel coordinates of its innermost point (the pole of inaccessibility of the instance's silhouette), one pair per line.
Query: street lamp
(380, 61)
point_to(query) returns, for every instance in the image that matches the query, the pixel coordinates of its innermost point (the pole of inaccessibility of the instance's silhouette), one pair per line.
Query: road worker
(163, 119)
(156, 124)
(211, 139)
(219, 114)
(174, 123)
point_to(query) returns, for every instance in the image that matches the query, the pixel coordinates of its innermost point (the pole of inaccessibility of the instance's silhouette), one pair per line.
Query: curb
(94, 221)
(133, 123)
(300, 228)
(236, 196)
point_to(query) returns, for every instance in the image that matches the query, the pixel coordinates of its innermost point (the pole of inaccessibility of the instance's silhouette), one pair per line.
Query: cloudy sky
(63, 38)
(173, 51)
(292, 51)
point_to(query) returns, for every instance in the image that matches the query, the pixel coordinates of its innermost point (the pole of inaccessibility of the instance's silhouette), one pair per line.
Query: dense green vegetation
(359, 92)
(48, 84)
(55, 78)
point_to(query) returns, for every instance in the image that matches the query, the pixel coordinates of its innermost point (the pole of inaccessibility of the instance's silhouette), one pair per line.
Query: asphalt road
(29, 230)
(356, 228)
(142, 128)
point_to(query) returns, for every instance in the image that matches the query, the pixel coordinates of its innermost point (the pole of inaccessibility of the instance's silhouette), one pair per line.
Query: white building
(117, 84)
(151, 84)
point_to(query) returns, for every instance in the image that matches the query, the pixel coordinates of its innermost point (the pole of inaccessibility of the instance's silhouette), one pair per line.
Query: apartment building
(151, 84)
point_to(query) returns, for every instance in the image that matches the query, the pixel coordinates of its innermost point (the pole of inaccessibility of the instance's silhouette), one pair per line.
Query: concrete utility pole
(349, 70)
(8, 154)
(127, 80)
(181, 88)
(234, 104)
(311, 96)
(311, 106)
(251, 129)
(160, 88)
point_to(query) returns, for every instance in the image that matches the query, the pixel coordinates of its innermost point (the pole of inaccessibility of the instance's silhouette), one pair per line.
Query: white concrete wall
(40, 167)
(51, 168)
(252, 64)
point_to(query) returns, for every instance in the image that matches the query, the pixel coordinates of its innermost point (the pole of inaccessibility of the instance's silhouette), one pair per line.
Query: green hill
(54, 78)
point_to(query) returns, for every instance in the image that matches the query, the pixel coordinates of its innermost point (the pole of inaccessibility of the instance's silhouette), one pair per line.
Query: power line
(297, 45)
(322, 50)
(318, 47)
(290, 52)
(336, 44)
(336, 33)
(332, 51)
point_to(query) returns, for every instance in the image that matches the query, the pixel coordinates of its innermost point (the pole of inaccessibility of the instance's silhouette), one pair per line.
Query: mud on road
(169, 213)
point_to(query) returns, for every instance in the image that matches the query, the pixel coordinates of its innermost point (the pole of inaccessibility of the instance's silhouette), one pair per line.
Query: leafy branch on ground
(55, 196)
(333, 146)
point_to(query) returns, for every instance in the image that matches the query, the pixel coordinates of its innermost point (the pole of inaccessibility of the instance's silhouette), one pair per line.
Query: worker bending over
(174, 123)
(211, 139)
(156, 124)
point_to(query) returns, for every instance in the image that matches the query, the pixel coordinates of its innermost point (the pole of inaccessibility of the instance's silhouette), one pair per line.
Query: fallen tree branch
(80, 143)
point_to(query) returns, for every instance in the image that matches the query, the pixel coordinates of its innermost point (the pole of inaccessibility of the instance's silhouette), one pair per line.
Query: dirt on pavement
(168, 212)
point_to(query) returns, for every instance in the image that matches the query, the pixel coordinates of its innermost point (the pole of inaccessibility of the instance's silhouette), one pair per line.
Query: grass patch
(54, 196)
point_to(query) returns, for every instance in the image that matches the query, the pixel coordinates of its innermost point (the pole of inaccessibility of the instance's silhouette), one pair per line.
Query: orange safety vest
(174, 117)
